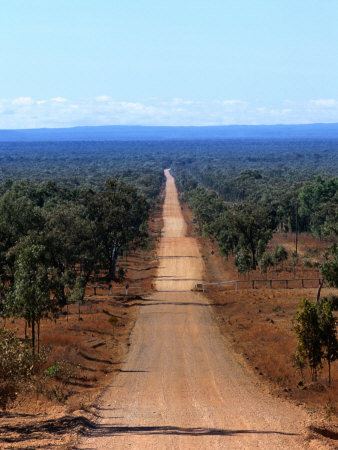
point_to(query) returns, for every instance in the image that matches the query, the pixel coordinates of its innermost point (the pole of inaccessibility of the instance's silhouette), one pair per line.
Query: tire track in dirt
(181, 387)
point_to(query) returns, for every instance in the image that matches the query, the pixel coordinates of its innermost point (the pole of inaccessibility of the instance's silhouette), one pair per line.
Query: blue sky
(155, 62)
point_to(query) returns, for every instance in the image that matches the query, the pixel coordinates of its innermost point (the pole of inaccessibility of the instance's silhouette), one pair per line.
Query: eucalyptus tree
(18, 216)
(248, 226)
(117, 217)
(32, 296)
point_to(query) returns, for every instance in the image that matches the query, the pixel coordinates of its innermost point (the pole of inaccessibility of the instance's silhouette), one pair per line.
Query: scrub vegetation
(72, 213)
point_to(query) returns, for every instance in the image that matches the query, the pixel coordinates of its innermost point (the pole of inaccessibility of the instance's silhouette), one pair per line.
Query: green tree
(327, 323)
(242, 261)
(73, 247)
(308, 331)
(318, 201)
(329, 269)
(280, 255)
(31, 296)
(248, 226)
(18, 216)
(118, 221)
(266, 261)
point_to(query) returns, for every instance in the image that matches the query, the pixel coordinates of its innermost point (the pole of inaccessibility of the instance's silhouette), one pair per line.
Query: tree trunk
(33, 336)
(329, 363)
(112, 264)
(38, 336)
(319, 289)
(254, 262)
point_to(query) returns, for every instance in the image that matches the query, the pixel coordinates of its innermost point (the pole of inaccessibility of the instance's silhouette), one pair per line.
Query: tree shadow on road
(107, 430)
(85, 427)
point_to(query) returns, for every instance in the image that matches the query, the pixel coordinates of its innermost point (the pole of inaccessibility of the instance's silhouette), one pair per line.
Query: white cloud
(325, 103)
(24, 101)
(177, 101)
(25, 112)
(232, 102)
(103, 98)
(59, 100)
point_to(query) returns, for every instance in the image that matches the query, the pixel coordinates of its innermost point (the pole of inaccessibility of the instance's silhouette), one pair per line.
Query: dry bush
(57, 380)
(17, 365)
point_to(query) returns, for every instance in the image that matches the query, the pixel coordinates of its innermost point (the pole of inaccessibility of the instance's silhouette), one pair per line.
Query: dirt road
(180, 386)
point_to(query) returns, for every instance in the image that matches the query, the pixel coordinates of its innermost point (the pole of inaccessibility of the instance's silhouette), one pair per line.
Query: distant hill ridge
(154, 133)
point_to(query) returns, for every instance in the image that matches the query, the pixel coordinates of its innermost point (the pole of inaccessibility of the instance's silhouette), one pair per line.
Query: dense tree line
(241, 205)
(68, 209)
(54, 238)
(245, 225)
(310, 205)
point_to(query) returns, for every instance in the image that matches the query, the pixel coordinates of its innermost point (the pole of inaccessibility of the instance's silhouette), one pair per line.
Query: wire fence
(114, 290)
(293, 283)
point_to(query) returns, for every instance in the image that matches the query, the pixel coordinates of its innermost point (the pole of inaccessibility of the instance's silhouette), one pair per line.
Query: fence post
(253, 284)
(218, 286)
(286, 284)
(94, 290)
(270, 284)
(302, 282)
(203, 287)
(236, 285)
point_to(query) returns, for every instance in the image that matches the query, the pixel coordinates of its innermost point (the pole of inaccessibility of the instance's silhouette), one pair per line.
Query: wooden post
(203, 287)
(253, 284)
(286, 284)
(302, 282)
(236, 285)
(270, 284)
(218, 286)
(94, 290)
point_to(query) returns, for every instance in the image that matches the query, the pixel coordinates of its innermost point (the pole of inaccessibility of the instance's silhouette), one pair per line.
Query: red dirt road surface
(181, 387)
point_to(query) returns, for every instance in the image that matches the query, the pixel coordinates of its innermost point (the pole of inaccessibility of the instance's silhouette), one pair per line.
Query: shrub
(315, 328)
(266, 261)
(307, 263)
(280, 254)
(51, 371)
(17, 365)
(242, 261)
(308, 333)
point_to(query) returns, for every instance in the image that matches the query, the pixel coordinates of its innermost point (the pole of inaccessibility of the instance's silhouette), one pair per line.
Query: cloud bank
(26, 112)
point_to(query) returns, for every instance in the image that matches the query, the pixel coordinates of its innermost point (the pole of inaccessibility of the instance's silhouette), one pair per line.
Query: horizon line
(171, 126)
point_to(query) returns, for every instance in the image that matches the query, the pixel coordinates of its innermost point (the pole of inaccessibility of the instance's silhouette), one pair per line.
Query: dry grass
(90, 352)
(258, 322)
